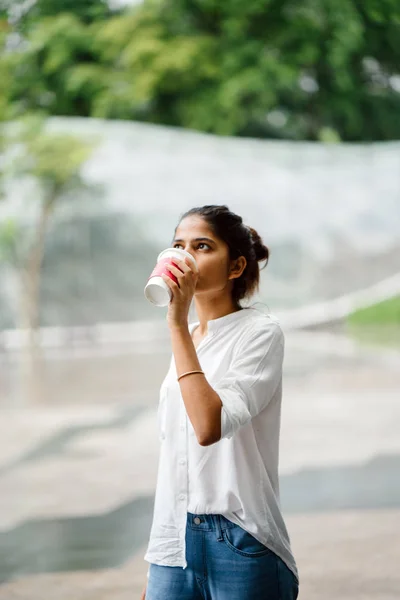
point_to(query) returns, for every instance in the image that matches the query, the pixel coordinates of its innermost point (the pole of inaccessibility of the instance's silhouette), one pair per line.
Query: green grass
(383, 313)
(378, 324)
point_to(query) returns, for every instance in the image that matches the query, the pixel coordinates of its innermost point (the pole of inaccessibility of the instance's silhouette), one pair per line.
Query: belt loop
(218, 528)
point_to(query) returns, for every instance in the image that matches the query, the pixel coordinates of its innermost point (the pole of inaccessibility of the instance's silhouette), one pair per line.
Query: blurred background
(115, 118)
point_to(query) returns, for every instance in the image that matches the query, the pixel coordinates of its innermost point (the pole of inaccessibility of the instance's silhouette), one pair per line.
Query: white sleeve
(252, 378)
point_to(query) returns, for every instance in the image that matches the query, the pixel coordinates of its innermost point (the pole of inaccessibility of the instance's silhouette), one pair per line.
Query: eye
(200, 244)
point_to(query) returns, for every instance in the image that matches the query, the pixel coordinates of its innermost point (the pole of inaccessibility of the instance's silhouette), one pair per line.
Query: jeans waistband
(208, 522)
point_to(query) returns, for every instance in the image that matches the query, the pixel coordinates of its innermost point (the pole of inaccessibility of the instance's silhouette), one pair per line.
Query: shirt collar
(216, 324)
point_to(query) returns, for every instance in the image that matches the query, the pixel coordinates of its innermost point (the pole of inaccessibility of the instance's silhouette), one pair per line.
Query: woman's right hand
(143, 596)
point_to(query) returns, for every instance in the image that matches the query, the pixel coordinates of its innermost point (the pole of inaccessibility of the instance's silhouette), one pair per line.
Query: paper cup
(156, 290)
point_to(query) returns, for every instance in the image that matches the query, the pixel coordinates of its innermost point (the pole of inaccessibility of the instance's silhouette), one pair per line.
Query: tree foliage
(310, 69)
(54, 163)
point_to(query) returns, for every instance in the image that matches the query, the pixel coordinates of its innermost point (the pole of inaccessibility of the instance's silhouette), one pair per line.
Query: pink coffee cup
(157, 290)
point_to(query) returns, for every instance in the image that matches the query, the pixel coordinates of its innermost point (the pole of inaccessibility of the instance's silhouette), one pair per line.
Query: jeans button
(197, 520)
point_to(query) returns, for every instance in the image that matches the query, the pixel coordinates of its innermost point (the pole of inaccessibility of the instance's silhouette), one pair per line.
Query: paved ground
(77, 478)
(347, 555)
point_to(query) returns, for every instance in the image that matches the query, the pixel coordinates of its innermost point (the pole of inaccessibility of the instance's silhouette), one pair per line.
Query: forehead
(194, 226)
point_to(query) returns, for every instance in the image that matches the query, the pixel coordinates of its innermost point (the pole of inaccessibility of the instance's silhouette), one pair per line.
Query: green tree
(53, 164)
(25, 14)
(306, 70)
(312, 69)
(5, 79)
(42, 68)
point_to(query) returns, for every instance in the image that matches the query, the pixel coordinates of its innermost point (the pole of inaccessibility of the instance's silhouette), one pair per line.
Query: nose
(191, 253)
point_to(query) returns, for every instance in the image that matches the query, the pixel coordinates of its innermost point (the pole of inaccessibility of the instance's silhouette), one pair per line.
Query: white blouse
(241, 356)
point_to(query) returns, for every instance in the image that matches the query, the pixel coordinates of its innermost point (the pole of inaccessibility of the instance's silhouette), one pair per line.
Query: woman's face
(211, 255)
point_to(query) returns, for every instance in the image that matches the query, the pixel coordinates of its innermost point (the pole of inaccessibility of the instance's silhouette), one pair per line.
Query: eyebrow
(199, 239)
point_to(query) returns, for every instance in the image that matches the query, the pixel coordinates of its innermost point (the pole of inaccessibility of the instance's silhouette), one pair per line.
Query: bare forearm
(203, 404)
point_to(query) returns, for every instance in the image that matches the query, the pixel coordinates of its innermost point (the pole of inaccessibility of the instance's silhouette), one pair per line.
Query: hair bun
(260, 249)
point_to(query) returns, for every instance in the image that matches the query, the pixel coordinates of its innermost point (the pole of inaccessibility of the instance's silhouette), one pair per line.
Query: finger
(177, 272)
(189, 264)
(169, 281)
(182, 264)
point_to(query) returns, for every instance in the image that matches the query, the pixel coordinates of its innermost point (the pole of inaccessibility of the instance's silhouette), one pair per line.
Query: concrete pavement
(77, 484)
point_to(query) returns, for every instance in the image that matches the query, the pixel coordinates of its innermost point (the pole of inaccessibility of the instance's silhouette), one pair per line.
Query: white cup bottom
(157, 291)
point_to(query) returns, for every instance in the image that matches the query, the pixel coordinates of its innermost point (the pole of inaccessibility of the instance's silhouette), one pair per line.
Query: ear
(237, 267)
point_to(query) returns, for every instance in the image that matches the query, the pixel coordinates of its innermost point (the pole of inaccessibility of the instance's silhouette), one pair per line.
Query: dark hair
(241, 240)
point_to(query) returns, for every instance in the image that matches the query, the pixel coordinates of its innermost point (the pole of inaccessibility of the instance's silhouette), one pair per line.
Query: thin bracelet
(188, 373)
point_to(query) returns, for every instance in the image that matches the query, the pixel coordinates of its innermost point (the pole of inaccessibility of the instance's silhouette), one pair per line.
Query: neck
(211, 309)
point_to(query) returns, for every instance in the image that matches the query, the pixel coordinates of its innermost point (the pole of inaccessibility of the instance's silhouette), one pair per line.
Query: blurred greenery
(383, 313)
(313, 69)
(26, 13)
(378, 324)
(53, 163)
(63, 260)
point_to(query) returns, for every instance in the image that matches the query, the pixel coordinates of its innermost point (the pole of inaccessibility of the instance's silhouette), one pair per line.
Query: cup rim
(178, 251)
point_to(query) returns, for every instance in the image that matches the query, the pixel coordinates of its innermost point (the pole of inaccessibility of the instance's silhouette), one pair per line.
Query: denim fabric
(224, 562)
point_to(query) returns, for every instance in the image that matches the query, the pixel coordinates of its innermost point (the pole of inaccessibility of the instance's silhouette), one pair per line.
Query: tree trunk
(31, 373)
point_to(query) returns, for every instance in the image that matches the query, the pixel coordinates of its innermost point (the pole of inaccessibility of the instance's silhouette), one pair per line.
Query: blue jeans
(224, 562)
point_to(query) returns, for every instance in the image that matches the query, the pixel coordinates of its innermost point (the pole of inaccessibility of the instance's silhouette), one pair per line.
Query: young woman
(217, 530)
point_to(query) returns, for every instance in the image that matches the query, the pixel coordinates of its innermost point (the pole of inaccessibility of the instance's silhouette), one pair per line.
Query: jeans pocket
(242, 542)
